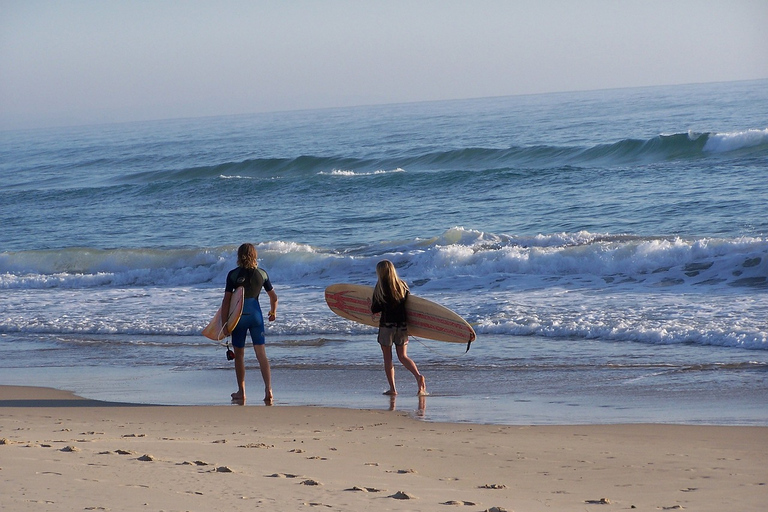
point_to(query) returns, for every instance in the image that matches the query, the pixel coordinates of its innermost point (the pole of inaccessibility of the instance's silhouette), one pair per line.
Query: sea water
(610, 249)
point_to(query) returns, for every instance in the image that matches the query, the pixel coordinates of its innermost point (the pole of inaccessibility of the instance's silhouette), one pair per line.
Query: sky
(71, 62)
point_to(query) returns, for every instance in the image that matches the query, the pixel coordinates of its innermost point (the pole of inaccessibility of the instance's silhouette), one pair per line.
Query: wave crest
(665, 147)
(726, 142)
(459, 257)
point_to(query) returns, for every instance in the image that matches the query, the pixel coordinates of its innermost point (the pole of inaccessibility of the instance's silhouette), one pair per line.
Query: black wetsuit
(392, 312)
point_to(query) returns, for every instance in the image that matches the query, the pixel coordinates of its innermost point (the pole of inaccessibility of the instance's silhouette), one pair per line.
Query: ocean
(610, 248)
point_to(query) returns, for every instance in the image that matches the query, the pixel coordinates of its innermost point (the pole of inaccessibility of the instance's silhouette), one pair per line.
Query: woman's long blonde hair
(389, 284)
(246, 256)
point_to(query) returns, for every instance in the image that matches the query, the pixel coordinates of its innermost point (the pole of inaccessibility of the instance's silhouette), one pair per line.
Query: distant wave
(472, 258)
(678, 146)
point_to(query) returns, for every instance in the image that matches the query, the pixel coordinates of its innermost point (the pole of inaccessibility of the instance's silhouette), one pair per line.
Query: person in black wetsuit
(389, 297)
(253, 279)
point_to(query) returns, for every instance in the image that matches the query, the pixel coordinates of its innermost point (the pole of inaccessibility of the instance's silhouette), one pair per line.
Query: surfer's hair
(246, 256)
(389, 285)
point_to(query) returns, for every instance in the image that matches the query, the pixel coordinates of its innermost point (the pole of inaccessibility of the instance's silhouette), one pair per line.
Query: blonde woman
(389, 298)
(253, 279)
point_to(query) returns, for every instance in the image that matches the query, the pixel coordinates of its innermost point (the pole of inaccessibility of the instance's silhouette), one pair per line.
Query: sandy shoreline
(61, 452)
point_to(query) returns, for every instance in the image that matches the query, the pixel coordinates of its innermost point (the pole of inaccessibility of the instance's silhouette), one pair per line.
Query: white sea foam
(724, 142)
(644, 262)
(348, 173)
(585, 285)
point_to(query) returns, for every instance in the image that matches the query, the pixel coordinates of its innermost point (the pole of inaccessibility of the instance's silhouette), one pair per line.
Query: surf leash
(432, 349)
(230, 353)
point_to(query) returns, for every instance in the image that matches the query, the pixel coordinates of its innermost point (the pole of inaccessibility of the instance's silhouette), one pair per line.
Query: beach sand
(62, 452)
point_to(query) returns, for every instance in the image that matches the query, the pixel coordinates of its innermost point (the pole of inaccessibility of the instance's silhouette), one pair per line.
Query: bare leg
(239, 395)
(266, 373)
(407, 362)
(389, 369)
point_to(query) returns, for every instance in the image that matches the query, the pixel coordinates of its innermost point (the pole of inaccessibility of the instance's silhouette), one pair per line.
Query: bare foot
(390, 392)
(239, 395)
(268, 397)
(422, 386)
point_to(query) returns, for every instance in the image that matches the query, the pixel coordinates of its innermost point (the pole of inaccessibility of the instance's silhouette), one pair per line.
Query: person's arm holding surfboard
(272, 305)
(225, 311)
(375, 309)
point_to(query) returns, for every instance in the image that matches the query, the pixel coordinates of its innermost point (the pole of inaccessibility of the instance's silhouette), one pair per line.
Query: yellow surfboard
(215, 328)
(426, 319)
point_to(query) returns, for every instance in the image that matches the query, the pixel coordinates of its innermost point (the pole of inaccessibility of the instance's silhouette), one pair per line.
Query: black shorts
(393, 335)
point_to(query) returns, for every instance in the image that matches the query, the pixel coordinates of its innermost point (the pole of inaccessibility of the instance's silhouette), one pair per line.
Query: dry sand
(61, 452)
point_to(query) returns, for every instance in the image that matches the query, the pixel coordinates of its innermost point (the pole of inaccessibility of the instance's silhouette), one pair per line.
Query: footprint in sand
(195, 463)
(256, 445)
(463, 503)
(283, 475)
(364, 489)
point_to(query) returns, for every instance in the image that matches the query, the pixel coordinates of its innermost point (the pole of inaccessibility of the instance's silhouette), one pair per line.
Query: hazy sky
(81, 62)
